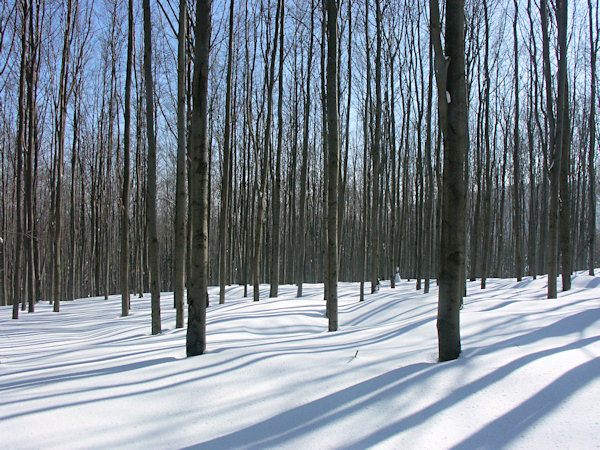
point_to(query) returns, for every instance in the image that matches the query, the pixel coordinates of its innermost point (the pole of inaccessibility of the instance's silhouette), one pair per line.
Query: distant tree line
(322, 153)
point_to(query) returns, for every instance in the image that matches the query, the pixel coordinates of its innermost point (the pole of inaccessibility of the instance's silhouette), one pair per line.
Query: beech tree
(450, 75)
(151, 174)
(198, 276)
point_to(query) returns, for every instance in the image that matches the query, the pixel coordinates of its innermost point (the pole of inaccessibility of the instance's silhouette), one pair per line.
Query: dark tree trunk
(517, 207)
(565, 197)
(333, 161)
(226, 182)
(151, 173)
(126, 169)
(592, 143)
(180, 184)
(198, 277)
(61, 116)
(450, 70)
(301, 272)
(275, 256)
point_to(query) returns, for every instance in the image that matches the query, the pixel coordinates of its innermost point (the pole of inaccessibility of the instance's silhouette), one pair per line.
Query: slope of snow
(273, 377)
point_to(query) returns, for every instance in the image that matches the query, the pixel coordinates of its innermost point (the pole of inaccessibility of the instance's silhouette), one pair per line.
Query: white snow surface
(273, 377)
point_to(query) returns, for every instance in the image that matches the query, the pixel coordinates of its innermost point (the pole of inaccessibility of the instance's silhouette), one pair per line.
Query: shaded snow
(529, 375)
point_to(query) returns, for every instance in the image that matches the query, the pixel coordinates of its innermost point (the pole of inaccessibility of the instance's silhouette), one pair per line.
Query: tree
(180, 186)
(151, 173)
(592, 144)
(376, 156)
(61, 115)
(301, 273)
(260, 214)
(450, 75)
(226, 181)
(333, 161)
(517, 210)
(555, 130)
(275, 253)
(198, 276)
(126, 170)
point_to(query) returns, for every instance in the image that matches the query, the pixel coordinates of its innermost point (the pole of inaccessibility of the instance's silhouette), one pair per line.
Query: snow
(273, 377)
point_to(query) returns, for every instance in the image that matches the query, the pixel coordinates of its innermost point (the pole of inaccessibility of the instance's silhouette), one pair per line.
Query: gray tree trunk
(333, 161)
(592, 148)
(198, 276)
(226, 181)
(450, 70)
(151, 174)
(126, 169)
(180, 183)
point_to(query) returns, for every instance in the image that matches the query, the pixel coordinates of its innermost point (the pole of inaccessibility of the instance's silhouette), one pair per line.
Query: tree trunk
(565, 197)
(517, 208)
(450, 70)
(151, 173)
(61, 116)
(333, 161)
(260, 209)
(126, 169)
(376, 154)
(226, 181)
(592, 144)
(275, 257)
(198, 277)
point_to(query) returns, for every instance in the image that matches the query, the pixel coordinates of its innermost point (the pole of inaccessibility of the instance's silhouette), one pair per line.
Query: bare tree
(333, 161)
(126, 169)
(592, 143)
(151, 173)
(450, 74)
(198, 276)
(226, 182)
(61, 115)
(517, 209)
(301, 273)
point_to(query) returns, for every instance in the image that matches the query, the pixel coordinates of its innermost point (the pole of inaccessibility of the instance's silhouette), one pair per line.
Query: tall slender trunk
(126, 169)
(376, 155)
(366, 135)
(198, 276)
(260, 214)
(592, 143)
(226, 181)
(517, 207)
(450, 70)
(429, 180)
(61, 116)
(565, 197)
(556, 129)
(301, 273)
(333, 161)
(276, 238)
(151, 173)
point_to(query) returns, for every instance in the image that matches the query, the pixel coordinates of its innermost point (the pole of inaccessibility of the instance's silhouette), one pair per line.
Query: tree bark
(226, 181)
(126, 169)
(592, 143)
(333, 161)
(517, 208)
(151, 173)
(452, 105)
(276, 238)
(198, 277)
(304, 165)
(61, 115)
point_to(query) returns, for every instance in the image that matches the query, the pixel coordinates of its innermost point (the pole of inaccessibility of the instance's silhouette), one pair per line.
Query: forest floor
(273, 377)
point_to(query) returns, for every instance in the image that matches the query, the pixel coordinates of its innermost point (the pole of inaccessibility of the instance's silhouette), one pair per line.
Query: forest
(156, 146)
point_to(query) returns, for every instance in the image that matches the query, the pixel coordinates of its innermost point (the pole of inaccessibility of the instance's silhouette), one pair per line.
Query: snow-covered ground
(273, 377)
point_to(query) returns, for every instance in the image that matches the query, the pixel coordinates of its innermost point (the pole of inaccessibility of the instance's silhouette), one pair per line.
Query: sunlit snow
(273, 377)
